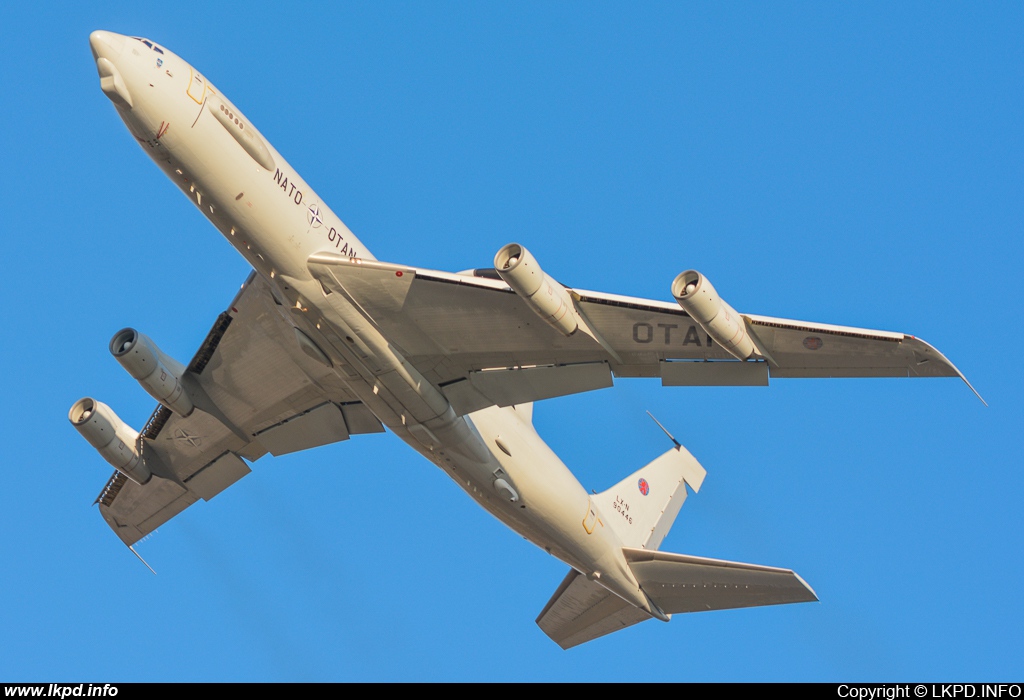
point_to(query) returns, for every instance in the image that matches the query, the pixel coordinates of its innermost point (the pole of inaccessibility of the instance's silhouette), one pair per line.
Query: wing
(474, 337)
(256, 391)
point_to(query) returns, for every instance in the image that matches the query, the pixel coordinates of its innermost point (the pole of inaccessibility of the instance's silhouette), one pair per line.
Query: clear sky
(858, 163)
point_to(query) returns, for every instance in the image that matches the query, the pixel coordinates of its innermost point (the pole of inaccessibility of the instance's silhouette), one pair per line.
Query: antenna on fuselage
(670, 436)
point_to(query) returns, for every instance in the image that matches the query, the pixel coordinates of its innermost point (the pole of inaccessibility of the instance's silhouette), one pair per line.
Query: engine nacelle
(115, 441)
(158, 374)
(547, 298)
(698, 298)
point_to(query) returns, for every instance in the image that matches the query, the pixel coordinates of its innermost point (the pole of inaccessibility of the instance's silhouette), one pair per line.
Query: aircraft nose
(106, 49)
(106, 45)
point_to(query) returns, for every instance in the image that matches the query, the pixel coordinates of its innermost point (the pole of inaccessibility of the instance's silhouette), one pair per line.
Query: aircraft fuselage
(275, 220)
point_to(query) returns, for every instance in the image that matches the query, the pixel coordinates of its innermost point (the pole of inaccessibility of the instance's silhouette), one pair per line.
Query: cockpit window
(148, 43)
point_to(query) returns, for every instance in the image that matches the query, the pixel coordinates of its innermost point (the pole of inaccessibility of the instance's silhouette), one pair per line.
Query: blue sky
(857, 164)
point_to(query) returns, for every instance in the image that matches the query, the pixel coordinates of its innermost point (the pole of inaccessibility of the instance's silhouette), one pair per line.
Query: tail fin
(641, 508)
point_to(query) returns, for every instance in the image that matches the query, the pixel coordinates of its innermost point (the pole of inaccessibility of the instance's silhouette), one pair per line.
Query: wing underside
(469, 334)
(256, 392)
(474, 337)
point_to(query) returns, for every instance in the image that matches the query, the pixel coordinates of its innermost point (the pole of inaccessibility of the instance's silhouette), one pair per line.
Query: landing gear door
(196, 86)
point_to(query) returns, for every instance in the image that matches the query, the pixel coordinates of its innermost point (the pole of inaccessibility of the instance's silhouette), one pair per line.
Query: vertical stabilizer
(641, 508)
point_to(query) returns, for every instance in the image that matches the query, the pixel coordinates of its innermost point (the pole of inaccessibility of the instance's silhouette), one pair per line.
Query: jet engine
(158, 374)
(547, 298)
(115, 441)
(698, 298)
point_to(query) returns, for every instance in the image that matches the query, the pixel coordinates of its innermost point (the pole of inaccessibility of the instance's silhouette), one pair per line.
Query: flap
(217, 476)
(508, 387)
(721, 373)
(317, 426)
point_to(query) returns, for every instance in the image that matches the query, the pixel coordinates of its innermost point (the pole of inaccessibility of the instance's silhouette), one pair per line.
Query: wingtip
(950, 365)
(814, 596)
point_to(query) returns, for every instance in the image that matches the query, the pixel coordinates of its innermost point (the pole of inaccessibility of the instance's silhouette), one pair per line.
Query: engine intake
(698, 298)
(158, 374)
(546, 297)
(115, 441)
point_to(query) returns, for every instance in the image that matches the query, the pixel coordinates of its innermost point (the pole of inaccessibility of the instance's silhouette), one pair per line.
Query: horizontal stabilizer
(581, 610)
(679, 583)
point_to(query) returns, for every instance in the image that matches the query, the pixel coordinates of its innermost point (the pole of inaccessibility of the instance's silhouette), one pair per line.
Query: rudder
(641, 508)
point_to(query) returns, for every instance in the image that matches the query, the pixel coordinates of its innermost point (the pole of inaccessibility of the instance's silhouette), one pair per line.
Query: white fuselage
(271, 216)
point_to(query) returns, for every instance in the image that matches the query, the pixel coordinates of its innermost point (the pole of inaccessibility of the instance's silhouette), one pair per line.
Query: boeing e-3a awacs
(324, 342)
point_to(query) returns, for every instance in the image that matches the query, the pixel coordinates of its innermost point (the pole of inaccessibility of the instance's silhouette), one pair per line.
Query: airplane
(324, 342)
